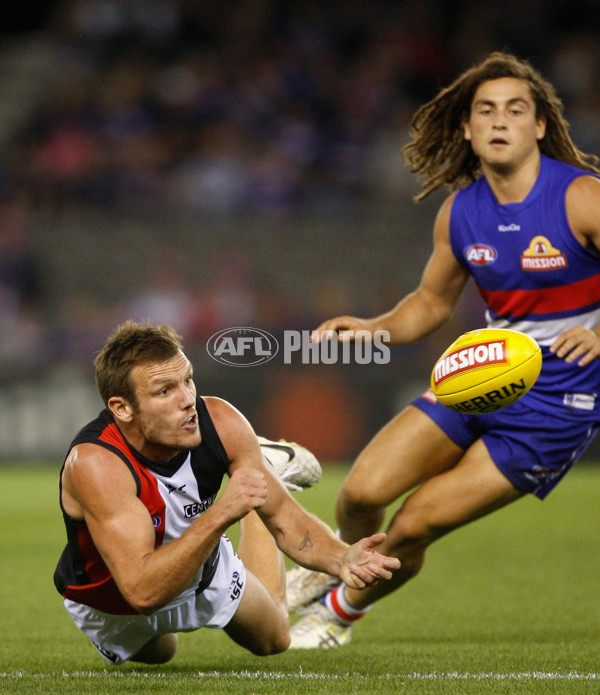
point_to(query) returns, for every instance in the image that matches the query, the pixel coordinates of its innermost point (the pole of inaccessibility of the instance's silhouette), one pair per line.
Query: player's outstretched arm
(310, 542)
(300, 535)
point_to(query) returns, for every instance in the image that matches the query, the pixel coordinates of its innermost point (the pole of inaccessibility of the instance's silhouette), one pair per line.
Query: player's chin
(188, 439)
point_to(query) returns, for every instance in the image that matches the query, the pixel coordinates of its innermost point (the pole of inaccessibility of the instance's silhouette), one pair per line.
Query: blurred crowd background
(220, 163)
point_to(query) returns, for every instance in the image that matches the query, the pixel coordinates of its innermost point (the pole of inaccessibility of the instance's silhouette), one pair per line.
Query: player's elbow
(144, 602)
(144, 607)
(147, 609)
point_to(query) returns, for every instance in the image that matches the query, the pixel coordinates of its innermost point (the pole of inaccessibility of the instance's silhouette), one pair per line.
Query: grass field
(506, 605)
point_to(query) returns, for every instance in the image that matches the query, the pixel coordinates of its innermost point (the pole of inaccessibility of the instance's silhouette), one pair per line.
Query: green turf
(506, 605)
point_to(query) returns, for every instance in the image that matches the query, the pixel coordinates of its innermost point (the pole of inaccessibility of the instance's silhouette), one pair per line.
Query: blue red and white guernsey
(174, 494)
(534, 276)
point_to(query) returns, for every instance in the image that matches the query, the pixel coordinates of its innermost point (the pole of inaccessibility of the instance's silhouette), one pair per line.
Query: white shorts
(119, 637)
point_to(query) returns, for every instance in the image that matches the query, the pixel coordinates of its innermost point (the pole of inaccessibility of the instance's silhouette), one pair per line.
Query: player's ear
(540, 130)
(466, 128)
(121, 408)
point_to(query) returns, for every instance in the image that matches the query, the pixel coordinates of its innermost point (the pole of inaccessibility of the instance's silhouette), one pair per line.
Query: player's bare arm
(98, 488)
(299, 534)
(579, 344)
(423, 311)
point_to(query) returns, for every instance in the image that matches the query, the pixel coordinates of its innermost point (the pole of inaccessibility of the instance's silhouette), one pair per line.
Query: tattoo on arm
(306, 542)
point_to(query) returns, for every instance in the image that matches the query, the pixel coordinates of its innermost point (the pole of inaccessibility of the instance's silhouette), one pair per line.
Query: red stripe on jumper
(547, 300)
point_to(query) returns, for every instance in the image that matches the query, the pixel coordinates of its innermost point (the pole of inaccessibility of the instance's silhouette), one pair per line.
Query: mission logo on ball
(485, 370)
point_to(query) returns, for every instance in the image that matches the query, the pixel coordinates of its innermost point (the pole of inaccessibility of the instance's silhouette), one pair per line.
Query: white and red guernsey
(174, 493)
(533, 275)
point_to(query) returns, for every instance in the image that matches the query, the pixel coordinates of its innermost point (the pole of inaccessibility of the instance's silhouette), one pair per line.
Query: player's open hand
(362, 565)
(577, 344)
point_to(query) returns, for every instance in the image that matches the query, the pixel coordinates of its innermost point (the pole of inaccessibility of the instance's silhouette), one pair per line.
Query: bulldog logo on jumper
(541, 255)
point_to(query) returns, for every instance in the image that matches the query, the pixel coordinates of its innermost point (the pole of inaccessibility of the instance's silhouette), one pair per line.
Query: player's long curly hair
(438, 150)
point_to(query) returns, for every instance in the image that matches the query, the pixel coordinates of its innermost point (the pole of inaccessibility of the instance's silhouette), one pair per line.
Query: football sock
(337, 603)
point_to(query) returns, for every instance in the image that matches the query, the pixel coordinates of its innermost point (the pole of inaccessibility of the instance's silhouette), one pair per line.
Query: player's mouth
(191, 423)
(498, 142)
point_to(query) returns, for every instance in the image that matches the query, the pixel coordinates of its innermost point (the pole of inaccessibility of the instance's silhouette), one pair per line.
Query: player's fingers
(329, 329)
(380, 571)
(390, 563)
(568, 339)
(560, 345)
(588, 357)
(355, 583)
(584, 350)
(346, 336)
(365, 575)
(357, 577)
(374, 540)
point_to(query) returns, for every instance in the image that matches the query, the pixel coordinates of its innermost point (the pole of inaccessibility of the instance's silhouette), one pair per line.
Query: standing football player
(522, 190)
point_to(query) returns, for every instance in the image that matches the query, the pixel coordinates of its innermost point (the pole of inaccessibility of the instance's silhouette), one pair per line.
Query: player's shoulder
(232, 427)
(582, 201)
(219, 408)
(582, 205)
(448, 202)
(86, 457)
(227, 419)
(584, 186)
(93, 475)
(442, 220)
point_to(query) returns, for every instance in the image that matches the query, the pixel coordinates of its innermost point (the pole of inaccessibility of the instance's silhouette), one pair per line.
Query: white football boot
(296, 465)
(319, 629)
(304, 587)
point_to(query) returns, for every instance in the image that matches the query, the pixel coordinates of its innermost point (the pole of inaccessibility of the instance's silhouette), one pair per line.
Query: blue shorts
(533, 450)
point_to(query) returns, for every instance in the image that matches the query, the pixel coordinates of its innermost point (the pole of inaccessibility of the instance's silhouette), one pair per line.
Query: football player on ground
(146, 554)
(523, 220)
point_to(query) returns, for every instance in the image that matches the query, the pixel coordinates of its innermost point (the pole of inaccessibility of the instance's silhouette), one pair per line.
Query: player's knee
(358, 499)
(274, 637)
(274, 644)
(158, 650)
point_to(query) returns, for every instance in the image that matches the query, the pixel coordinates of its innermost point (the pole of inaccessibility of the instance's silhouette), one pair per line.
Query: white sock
(337, 603)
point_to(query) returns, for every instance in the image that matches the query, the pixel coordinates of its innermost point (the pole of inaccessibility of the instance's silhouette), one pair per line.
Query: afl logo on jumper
(541, 255)
(480, 254)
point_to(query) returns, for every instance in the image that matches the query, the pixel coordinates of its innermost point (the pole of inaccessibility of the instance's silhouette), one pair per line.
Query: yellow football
(485, 370)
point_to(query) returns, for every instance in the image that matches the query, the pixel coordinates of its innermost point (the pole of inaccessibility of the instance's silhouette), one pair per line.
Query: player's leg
(410, 449)
(471, 489)
(261, 623)
(158, 650)
(407, 451)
